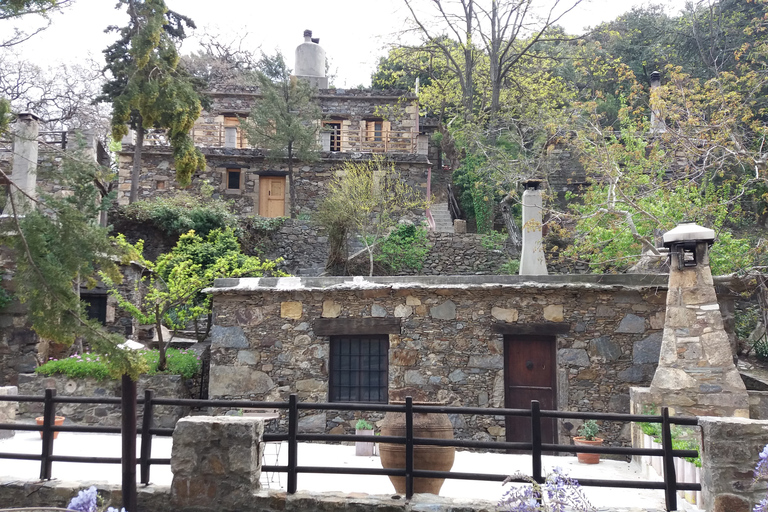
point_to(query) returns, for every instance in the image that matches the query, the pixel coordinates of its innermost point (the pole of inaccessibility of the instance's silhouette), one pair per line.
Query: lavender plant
(558, 493)
(87, 500)
(761, 473)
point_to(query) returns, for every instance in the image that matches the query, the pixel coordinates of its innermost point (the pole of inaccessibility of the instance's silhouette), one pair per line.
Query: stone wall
(264, 344)
(165, 386)
(729, 452)
(18, 342)
(8, 410)
(158, 175)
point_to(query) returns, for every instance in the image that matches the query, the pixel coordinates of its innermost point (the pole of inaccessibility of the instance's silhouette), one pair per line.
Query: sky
(354, 33)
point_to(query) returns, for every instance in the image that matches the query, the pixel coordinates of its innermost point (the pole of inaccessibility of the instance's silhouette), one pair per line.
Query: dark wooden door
(529, 374)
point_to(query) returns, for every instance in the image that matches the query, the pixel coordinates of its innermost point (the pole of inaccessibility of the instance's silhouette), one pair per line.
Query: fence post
(670, 478)
(536, 441)
(49, 419)
(293, 427)
(408, 447)
(128, 433)
(146, 437)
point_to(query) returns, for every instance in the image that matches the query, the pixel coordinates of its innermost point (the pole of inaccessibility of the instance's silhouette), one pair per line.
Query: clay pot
(588, 458)
(434, 458)
(58, 422)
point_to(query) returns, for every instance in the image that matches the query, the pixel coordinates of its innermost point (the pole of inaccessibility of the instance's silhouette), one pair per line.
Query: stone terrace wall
(264, 345)
(310, 179)
(165, 386)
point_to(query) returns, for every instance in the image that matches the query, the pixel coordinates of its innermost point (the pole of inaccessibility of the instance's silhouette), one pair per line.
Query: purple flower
(85, 501)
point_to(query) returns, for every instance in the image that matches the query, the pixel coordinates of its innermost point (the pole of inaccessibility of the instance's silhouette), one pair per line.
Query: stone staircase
(443, 222)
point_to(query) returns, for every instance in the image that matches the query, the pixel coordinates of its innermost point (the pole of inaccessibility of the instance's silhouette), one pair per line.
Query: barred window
(359, 368)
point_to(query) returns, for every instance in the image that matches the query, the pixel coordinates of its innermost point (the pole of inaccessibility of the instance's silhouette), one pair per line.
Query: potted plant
(588, 437)
(363, 448)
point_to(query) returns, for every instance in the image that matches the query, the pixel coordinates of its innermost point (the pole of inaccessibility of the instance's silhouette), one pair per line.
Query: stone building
(571, 342)
(355, 124)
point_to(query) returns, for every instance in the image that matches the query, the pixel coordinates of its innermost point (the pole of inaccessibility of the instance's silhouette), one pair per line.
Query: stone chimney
(532, 261)
(24, 170)
(310, 62)
(696, 375)
(657, 119)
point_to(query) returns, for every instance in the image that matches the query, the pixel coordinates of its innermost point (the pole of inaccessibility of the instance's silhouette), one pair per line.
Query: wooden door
(529, 374)
(272, 196)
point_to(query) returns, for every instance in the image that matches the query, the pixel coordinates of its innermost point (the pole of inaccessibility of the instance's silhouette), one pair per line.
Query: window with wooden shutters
(359, 368)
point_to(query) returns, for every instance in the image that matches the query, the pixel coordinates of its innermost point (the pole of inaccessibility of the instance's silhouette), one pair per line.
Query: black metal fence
(291, 409)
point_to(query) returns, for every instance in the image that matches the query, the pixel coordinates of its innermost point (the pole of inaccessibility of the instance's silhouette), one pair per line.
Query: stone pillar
(729, 452)
(216, 462)
(24, 173)
(532, 262)
(696, 375)
(8, 410)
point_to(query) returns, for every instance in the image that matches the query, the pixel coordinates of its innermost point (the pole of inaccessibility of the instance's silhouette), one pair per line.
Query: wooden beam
(342, 326)
(546, 329)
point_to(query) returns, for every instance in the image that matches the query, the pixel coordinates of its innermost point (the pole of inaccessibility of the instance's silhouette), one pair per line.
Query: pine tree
(148, 88)
(285, 121)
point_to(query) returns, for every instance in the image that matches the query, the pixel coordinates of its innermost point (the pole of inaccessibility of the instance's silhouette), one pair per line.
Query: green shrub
(405, 247)
(363, 425)
(494, 240)
(511, 267)
(589, 430)
(181, 212)
(180, 362)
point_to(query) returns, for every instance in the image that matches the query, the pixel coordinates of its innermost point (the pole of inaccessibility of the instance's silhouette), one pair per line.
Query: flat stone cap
(689, 232)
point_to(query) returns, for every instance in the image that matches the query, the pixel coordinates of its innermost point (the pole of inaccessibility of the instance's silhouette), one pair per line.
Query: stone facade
(729, 452)
(447, 348)
(165, 386)
(158, 175)
(8, 410)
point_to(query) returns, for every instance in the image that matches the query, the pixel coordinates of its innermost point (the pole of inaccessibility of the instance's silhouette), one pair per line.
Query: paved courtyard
(312, 454)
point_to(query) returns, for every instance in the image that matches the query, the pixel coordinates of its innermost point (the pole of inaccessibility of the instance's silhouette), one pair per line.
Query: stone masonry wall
(158, 175)
(729, 451)
(264, 346)
(165, 386)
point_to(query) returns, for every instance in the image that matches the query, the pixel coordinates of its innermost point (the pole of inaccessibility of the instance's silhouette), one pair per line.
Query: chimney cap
(307, 33)
(688, 232)
(532, 184)
(655, 76)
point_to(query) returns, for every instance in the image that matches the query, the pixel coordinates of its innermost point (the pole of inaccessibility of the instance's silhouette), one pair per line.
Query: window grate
(359, 369)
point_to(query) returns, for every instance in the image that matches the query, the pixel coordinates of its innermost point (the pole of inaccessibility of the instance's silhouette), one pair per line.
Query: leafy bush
(494, 240)
(363, 425)
(180, 362)
(5, 297)
(405, 247)
(511, 267)
(179, 213)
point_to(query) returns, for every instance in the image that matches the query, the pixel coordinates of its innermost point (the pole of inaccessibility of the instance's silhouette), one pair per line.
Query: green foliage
(171, 286)
(745, 320)
(5, 115)
(147, 88)
(5, 297)
(59, 247)
(511, 267)
(589, 430)
(494, 240)
(368, 197)
(405, 247)
(182, 212)
(363, 425)
(180, 362)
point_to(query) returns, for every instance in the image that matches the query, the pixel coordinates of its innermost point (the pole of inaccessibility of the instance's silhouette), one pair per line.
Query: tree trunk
(161, 361)
(509, 221)
(136, 170)
(290, 181)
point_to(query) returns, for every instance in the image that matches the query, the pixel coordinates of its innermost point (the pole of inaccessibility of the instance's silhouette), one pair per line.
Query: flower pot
(58, 422)
(435, 458)
(588, 458)
(364, 448)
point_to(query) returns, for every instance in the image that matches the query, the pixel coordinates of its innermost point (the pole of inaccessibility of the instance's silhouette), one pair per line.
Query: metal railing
(292, 409)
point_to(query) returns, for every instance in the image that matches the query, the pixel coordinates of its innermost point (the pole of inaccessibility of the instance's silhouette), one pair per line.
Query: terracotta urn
(434, 458)
(588, 458)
